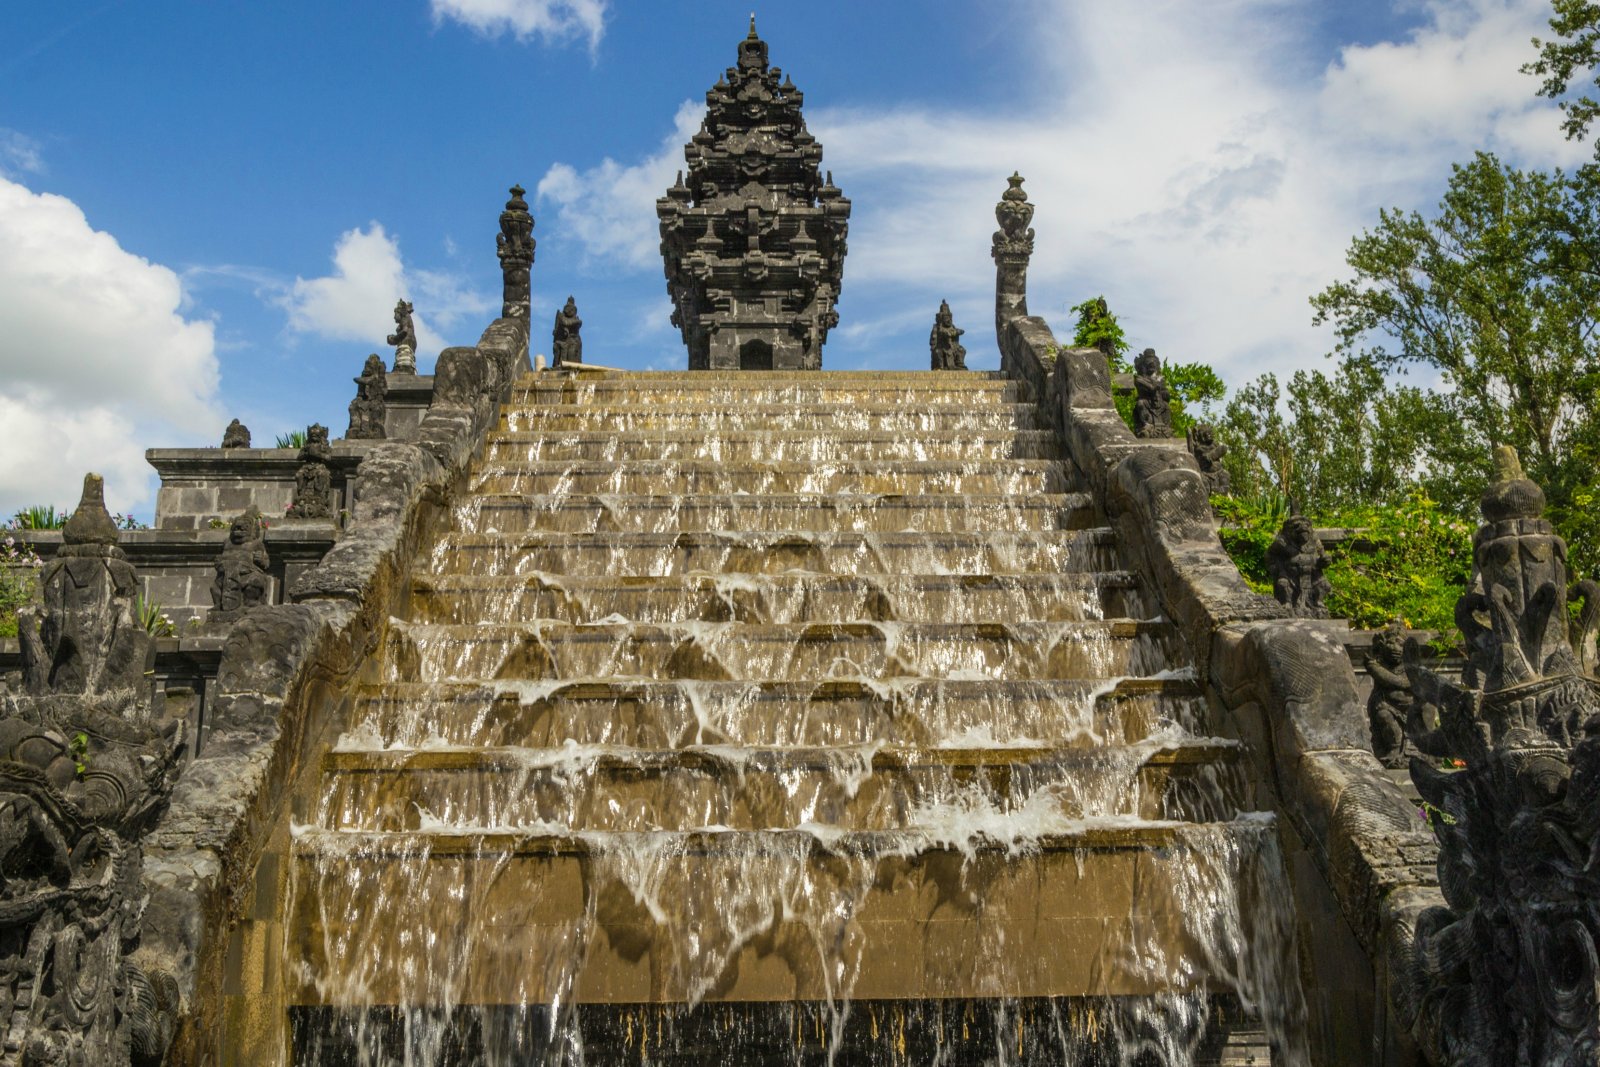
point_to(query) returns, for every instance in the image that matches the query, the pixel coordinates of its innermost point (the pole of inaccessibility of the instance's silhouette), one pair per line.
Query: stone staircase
(781, 718)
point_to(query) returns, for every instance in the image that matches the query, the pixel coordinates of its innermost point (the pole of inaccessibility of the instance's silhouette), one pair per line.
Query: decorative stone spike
(1152, 406)
(944, 343)
(1506, 972)
(515, 247)
(241, 580)
(566, 346)
(753, 242)
(85, 636)
(1012, 248)
(1295, 562)
(404, 339)
(368, 409)
(237, 435)
(313, 482)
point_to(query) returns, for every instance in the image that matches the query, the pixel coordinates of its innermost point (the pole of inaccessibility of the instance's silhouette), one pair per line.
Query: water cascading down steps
(781, 718)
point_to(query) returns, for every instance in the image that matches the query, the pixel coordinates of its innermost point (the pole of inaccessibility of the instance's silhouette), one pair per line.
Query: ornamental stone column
(515, 247)
(1013, 247)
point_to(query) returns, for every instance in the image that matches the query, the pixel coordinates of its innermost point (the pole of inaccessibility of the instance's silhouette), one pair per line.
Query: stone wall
(176, 567)
(201, 484)
(1360, 861)
(214, 863)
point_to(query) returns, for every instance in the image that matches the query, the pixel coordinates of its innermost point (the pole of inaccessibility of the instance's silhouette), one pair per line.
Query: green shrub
(40, 517)
(292, 439)
(1411, 561)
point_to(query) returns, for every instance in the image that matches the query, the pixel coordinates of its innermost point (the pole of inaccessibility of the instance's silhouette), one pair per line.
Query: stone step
(603, 512)
(770, 446)
(645, 713)
(777, 552)
(948, 909)
(735, 416)
(738, 651)
(782, 598)
(613, 790)
(842, 391)
(1016, 476)
(951, 1031)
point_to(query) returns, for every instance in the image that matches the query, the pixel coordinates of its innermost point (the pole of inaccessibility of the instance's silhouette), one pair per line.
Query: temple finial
(752, 25)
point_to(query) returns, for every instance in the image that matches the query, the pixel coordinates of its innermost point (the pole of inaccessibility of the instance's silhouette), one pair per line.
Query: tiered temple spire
(754, 238)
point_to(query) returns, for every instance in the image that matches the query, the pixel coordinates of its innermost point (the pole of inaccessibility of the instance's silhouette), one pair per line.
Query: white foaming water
(811, 794)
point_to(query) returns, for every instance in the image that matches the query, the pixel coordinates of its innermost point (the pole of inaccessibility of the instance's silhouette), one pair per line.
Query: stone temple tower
(754, 239)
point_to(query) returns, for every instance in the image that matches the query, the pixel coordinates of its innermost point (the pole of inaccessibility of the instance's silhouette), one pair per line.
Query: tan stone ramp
(779, 718)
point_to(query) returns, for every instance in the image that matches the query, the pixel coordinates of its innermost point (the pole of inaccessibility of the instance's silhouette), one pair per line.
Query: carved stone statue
(368, 408)
(515, 246)
(1389, 705)
(85, 769)
(1208, 452)
(237, 435)
(565, 344)
(1295, 562)
(313, 482)
(80, 784)
(86, 635)
(241, 571)
(1506, 973)
(944, 343)
(1011, 249)
(404, 340)
(1152, 406)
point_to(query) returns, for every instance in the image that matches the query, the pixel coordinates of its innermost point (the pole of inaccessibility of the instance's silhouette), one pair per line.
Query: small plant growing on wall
(19, 573)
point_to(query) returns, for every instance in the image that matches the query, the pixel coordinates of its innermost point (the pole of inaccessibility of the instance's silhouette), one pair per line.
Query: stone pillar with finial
(515, 247)
(1012, 248)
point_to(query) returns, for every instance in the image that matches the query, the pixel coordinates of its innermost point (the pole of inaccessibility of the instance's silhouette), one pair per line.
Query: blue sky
(207, 209)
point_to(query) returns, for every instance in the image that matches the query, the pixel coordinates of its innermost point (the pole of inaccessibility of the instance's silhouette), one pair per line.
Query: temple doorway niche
(755, 355)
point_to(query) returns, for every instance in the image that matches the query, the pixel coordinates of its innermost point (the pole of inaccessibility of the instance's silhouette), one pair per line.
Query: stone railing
(282, 689)
(1357, 852)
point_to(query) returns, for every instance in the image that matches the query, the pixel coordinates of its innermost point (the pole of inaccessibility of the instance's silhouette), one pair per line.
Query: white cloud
(356, 302)
(1193, 162)
(611, 208)
(553, 21)
(96, 359)
(19, 153)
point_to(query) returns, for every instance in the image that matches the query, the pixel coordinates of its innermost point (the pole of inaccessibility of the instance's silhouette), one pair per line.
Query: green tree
(1574, 50)
(1498, 296)
(1194, 386)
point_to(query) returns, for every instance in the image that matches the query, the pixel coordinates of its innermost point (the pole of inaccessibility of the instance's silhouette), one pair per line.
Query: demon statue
(566, 344)
(237, 435)
(1208, 452)
(404, 339)
(368, 409)
(1505, 974)
(1389, 704)
(944, 343)
(313, 482)
(1152, 405)
(1295, 562)
(241, 570)
(85, 769)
